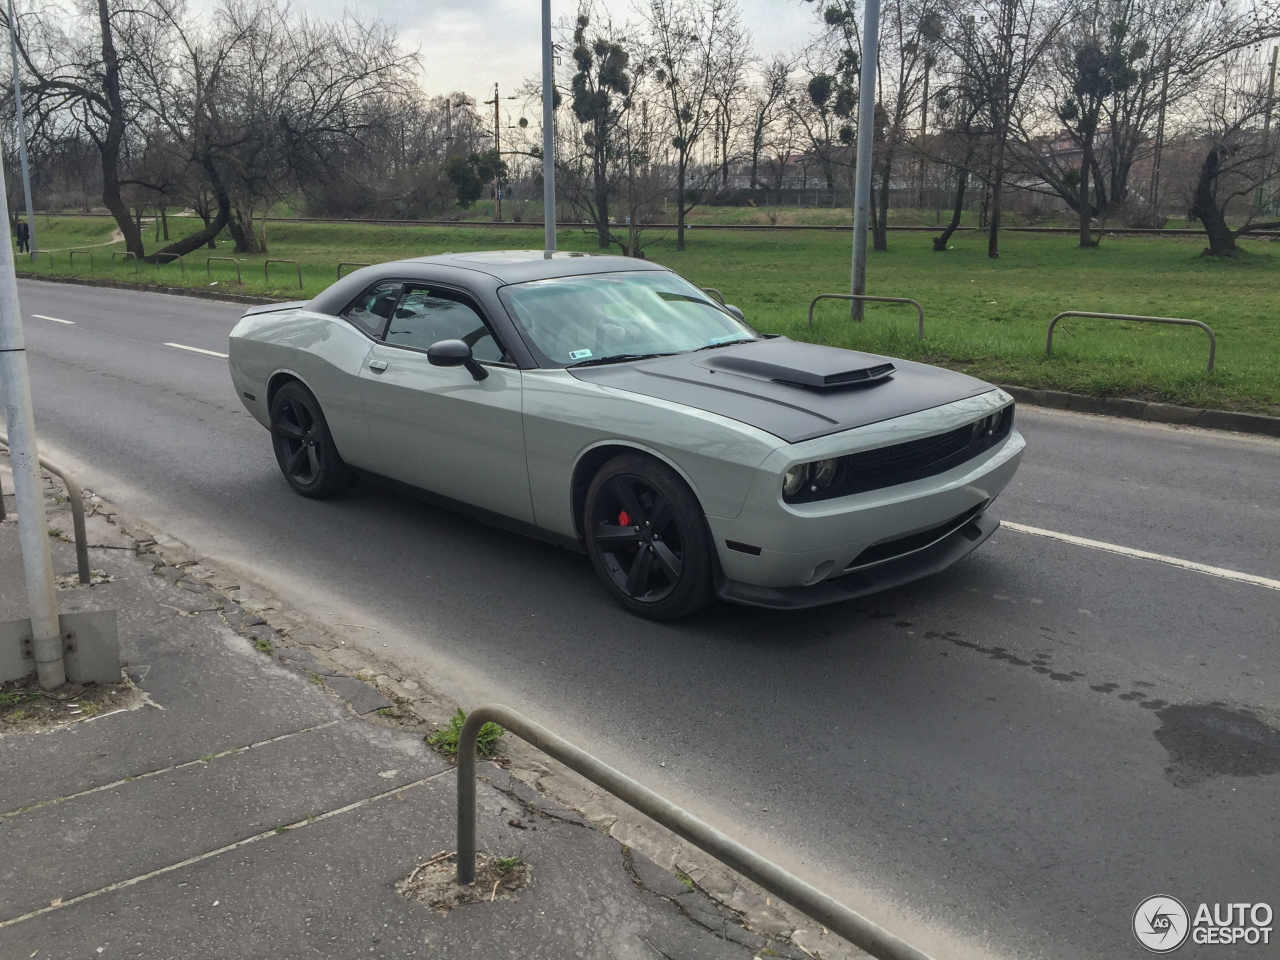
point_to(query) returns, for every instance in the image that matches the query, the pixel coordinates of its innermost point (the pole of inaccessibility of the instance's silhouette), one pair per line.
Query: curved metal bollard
(351, 263)
(209, 260)
(812, 902)
(852, 297)
(77, 512)
(266, 268)
(1177, 321)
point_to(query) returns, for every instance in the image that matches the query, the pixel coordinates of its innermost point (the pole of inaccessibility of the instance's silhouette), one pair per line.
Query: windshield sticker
(579, 354)
(729, 338)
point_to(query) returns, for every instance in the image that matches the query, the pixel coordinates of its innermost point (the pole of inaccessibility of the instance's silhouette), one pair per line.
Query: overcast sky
(468, 44)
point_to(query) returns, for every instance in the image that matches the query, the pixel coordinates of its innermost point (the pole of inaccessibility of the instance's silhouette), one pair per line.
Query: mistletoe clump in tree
(601, 96)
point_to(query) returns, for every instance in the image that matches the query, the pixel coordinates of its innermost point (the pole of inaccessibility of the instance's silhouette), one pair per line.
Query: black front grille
(880, 552)
(904, 462)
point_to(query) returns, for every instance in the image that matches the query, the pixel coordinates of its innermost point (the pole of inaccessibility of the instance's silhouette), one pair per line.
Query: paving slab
(213, 690)
(202, 806)
(246, 810)
(328, 890)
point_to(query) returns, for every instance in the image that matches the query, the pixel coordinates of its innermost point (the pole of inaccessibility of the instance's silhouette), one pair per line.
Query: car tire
(647, 538)
(304, 447)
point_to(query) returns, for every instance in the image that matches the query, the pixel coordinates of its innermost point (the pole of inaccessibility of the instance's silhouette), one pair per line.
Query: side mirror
(455, 353)
(735, 311)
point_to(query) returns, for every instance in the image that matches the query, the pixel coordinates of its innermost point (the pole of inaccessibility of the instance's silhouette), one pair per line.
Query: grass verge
(985, 317)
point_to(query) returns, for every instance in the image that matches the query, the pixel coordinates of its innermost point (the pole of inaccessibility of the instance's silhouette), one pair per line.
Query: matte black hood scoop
(796, 391)
(820, 369)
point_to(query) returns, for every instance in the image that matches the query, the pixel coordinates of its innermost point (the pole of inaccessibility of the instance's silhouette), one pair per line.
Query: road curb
(154, 288)
(1149, 411)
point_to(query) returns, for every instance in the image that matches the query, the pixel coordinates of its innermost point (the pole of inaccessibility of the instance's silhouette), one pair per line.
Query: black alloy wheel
(304, 448)
(647, 538)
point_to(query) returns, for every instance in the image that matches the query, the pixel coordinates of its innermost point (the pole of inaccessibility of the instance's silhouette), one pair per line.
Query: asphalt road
(1004, 759)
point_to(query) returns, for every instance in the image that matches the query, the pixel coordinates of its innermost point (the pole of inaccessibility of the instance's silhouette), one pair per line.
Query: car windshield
(579, 320)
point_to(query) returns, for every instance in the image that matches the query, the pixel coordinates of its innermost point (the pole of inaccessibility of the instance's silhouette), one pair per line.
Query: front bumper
(883, 576)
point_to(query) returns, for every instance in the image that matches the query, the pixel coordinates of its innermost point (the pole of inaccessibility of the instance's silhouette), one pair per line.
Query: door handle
(377, 366)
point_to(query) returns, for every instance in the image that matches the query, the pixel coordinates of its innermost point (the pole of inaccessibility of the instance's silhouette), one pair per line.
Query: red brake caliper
(624, 519)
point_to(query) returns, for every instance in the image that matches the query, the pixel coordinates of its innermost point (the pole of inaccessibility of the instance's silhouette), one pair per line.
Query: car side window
(374, 308)
(427, 315)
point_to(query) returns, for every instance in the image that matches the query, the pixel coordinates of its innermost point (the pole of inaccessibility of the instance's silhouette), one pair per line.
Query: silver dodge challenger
(608, 404)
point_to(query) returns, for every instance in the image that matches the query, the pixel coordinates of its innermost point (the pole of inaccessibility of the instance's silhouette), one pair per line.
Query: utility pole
(22, 134)
(1155, 160)
(497, 143)
(497, 148)
(866, 141)
(548, 135)
(24, 459)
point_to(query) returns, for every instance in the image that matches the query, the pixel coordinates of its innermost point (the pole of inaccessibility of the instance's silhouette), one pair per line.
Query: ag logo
(1161, 924)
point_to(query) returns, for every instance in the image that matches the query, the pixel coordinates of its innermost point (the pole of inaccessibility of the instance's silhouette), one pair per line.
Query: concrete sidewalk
(244, 797)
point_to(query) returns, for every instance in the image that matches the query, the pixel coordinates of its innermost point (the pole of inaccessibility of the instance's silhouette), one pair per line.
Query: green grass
(446, 738)
(18, 696)
(982, 316)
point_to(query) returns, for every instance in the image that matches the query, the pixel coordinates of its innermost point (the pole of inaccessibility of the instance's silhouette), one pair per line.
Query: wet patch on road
(1212, 741)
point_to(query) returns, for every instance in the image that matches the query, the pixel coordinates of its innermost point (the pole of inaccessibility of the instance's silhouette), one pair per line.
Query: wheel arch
(596, 456)
(278, 380)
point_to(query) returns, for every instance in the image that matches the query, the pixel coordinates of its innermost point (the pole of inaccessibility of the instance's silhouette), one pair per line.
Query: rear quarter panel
(565, 418)
(326, 353)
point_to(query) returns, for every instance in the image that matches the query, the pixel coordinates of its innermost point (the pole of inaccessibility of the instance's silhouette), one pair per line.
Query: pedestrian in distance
(23, 232)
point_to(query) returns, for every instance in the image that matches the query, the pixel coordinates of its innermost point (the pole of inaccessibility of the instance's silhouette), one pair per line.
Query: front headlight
(824, 471)
(794, 479)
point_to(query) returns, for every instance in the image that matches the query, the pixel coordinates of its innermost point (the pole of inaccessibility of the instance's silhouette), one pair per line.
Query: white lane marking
(1222, 572)
(41, 316)
(207, 353)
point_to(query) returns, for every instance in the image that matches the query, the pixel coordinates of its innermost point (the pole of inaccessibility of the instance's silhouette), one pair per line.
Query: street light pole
(548, 134)
(866, 140)
(22, 134)
(24, 460)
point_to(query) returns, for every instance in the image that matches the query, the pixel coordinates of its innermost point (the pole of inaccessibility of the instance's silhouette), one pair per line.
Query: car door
(437, 427)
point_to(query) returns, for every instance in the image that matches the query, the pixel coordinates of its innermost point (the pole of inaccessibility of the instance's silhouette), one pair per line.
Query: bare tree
(765, 105)
(687, 40)
(1240, 158)
(822, 111)
(729, 91)
(83, 63)
(1115, 70)
(1004, 41)
(601, 98)
(909, 29)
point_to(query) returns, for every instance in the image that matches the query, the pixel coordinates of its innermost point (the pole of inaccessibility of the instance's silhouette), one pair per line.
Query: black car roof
(500, 267)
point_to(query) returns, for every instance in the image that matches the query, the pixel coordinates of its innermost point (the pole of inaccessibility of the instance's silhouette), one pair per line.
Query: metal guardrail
(126, 254)
(71, 261)
(351, 263)
(77, 512)
(209, 260)
(852, 297)
(1177, 321)
(718, 295)
(45, 253)
(266, 269)
(812, 902)
(182, 263)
